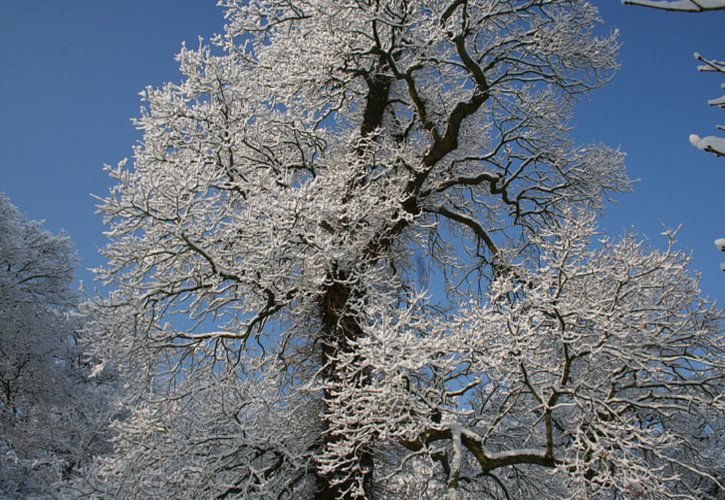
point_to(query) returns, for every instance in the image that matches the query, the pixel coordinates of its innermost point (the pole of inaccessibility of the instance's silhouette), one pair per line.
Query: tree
(319, 164)
(48, 412)
(710, 144)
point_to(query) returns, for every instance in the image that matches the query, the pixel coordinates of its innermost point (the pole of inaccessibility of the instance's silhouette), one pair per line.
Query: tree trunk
(339, 330)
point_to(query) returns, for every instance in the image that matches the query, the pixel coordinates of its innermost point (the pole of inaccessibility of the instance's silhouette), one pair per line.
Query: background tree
(321, 162)
(48, 410)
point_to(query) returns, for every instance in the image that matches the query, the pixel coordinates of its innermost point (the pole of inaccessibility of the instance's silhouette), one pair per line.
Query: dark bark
(377, 101)
(340, 327)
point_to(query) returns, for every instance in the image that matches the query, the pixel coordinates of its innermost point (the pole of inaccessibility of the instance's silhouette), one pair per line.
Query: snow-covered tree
(48, 410)
(346, 265)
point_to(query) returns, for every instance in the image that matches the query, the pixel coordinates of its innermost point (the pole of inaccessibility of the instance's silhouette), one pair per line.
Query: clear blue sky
(72, 69)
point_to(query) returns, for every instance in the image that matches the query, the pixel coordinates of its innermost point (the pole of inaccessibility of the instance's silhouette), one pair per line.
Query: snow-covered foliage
(49, 412)
(271, 242)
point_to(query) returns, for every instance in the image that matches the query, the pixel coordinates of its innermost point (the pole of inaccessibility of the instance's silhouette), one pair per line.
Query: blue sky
(72, 70)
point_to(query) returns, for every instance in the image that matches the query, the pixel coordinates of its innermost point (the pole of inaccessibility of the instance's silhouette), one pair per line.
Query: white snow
(719, 101)
(709, 143)
(682, 5)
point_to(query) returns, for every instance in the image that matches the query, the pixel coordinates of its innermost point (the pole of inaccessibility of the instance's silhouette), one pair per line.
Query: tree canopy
(354, 257)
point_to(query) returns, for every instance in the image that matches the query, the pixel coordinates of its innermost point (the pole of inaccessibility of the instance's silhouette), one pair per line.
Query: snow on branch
(711, 144)
(680, 5)
(710, 64)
